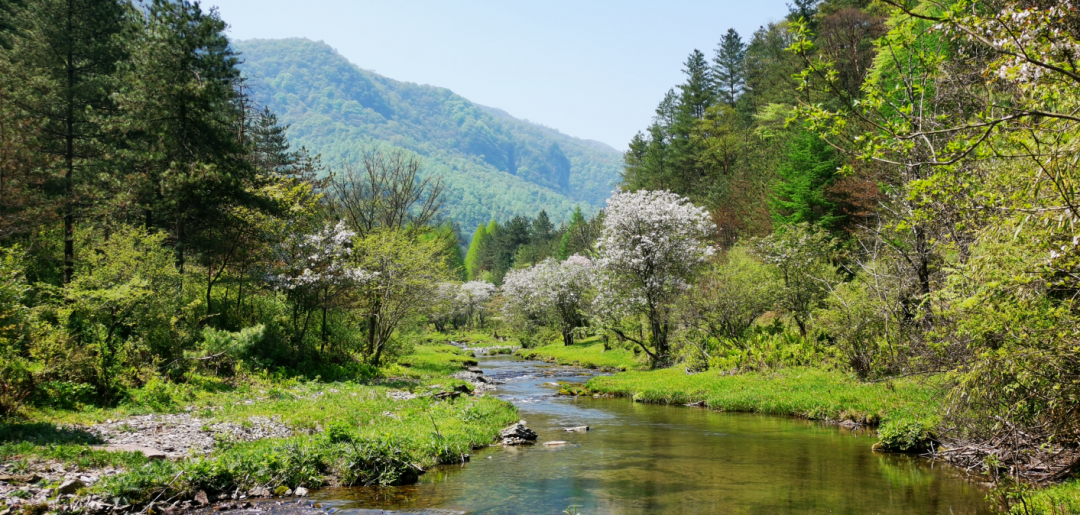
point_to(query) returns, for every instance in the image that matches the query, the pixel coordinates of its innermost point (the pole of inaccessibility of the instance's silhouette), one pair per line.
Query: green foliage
(802, 256)
(587, 353)
(237, 345)
(809, 168)
(904, 435)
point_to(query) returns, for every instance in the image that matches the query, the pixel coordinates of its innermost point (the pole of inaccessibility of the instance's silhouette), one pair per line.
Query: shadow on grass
(43, 433)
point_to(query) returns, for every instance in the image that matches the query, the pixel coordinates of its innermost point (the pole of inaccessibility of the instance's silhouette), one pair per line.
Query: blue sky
(592, 69)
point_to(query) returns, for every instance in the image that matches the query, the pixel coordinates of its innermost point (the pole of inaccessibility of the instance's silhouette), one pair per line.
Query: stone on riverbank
(517, 434)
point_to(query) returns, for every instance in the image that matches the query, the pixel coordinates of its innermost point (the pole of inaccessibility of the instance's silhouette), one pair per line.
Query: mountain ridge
(493, 164)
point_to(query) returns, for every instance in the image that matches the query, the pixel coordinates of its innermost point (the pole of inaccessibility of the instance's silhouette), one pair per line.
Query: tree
(182, 114)
(551, 293)
(580, 235)
(651, 249)
(65, 60)
(472, 299)
(801, 254)
(727, 68)
(726, 300)
(472, 257)
(316, 272)
(810, 167)
(405, 274)
(387, 193)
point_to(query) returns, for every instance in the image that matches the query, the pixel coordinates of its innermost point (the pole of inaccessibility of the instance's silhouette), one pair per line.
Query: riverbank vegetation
(889, 191)
(166, 255)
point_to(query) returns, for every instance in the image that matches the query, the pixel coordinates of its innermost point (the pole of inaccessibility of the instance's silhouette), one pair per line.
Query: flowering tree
(551, 293)
(651, 248)
(472, 299)
(314, 271)
(443, 307)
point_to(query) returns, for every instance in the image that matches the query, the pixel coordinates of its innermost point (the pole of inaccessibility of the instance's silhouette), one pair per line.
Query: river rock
(201, 498)
(259, 491)
(70, 486)
(149, 452)
(576, 429)
(300, 492)
(517, 434)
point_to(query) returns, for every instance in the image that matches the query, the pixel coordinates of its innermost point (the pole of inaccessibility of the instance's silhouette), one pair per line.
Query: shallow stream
(648, 459)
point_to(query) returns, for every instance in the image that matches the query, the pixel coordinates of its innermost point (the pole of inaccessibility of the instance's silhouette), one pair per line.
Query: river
(648, 459)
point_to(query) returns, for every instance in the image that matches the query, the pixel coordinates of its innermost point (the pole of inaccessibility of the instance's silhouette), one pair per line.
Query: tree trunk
(69, 161)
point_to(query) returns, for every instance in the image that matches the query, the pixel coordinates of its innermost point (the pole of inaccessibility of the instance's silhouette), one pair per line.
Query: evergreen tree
(542, 230)
(8, 13)
(64, 67)
(727, 69)
(473, 261)
(696, 95)
(800, 196)
(183, 105)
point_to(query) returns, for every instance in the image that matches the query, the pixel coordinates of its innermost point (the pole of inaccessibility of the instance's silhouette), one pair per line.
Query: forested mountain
(493, 164)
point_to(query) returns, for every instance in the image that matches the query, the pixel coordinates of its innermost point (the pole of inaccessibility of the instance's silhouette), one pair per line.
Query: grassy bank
(380, 430)
(587, 353)
(814, 394)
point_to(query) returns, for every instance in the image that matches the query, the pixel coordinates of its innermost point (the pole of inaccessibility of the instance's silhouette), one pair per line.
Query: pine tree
(182, 103)
(65, 62)
(727, 69)
(695, 96)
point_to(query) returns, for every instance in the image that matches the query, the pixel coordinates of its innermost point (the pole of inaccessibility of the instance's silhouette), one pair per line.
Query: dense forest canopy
(493, 165)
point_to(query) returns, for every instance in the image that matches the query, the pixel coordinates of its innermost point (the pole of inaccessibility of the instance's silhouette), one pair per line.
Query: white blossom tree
(444, 305)
(472, 300)
(551, 293)
(314, 272)
(652, 246)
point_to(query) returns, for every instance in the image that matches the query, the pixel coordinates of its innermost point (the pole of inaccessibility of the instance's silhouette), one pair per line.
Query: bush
(16, 382)
(63, 394)
(904, 435)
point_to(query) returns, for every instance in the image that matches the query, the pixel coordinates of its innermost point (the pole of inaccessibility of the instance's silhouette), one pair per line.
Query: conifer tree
(727, 69)
(472, 257)
(800, 196)
(183, 106)
(64, 64)
(695, 96)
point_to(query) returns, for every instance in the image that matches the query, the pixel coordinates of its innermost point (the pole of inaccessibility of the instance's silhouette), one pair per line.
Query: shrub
(904, 435)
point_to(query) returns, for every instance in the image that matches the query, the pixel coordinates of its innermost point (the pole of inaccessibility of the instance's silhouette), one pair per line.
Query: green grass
(587, 353)
(1059, 499)
(432, 360)
(814, 394)
(349, 433)
(366, 440)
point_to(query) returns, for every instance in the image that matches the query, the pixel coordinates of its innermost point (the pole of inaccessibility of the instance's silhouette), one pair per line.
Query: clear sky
(592, 69)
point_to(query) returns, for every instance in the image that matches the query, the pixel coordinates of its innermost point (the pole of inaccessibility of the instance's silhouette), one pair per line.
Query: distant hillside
(494, 165)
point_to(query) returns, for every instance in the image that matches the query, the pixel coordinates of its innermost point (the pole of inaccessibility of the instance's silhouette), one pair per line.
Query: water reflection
(641, 459)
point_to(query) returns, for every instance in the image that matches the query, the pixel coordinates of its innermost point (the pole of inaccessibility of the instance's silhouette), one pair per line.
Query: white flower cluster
(1034, 40)
(320, 260)
(550, 292)
(651, 246)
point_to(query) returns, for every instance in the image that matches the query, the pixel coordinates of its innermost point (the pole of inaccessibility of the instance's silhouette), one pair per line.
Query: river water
(648, 459)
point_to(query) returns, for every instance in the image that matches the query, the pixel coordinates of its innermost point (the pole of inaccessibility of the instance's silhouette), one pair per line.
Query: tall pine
(727, 68)
(63, 63)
